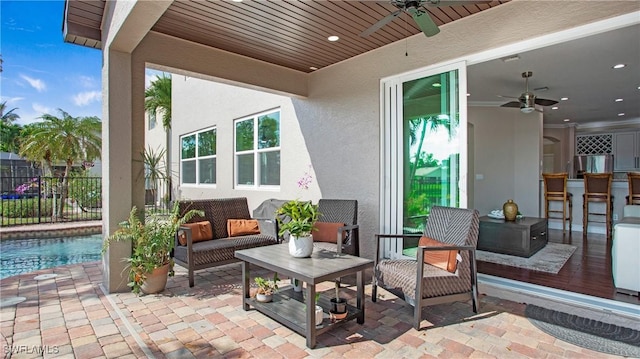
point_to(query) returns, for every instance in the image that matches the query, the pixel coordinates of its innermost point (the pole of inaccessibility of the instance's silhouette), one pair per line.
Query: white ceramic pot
(297, 285)
(300, 247)
(264, 298)
(319, 315)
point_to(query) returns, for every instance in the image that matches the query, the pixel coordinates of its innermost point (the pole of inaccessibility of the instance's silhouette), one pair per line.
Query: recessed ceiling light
(619, 100)
(621, 114)
(236, 0)
(333, 38)
(566, 120)
(554, 108)
(564, 98)
(436, 84)
(619, 66)
(313, 68)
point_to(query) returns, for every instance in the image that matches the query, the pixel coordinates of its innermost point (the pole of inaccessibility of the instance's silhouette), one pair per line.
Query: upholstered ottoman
(625, 252)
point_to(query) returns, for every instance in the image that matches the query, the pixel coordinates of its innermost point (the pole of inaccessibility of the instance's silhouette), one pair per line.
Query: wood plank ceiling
(289, 33)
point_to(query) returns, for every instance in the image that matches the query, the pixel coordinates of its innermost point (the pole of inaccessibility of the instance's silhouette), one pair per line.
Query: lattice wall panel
(594, 144)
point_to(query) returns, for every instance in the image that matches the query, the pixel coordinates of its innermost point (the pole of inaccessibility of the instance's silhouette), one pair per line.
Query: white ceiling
(580, 70)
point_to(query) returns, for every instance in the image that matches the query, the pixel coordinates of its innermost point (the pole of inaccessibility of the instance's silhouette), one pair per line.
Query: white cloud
(87, 81)
(35, 83)
(87, 97)
(11, 100)
(41, 110)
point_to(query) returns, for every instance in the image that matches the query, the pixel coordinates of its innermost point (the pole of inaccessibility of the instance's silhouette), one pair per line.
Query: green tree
(10, 137)
(7, 116)
(157, 98)
(66, 138)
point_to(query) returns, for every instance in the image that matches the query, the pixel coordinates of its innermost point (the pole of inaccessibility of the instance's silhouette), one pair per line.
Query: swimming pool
(19, 256)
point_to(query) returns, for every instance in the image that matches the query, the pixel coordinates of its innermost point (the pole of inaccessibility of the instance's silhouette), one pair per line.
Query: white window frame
(197, 159)
(255, 151)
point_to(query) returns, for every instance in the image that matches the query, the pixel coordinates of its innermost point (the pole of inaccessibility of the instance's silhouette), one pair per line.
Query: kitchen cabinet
(626, 155)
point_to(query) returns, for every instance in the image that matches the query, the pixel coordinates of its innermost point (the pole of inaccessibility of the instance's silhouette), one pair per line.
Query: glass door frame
(391, 147)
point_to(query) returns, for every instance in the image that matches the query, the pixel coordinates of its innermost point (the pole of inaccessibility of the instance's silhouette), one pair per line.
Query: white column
(122, 168)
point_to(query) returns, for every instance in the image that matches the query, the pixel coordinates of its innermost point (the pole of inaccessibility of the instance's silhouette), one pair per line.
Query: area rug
(549, 259)
(586, 333)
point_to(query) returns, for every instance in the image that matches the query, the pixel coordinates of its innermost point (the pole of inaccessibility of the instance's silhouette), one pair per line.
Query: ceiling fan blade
(545, 102)
(515, 104)
(424, 21)
(385, 20)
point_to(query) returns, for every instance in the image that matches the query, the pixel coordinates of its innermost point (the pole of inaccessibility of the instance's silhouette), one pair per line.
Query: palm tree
(69, 139)
(158, 99)
(9, 116)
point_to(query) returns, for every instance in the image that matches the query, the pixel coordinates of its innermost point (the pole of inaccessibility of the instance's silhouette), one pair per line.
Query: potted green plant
(152, 242)
(266, 288)
(298, 219)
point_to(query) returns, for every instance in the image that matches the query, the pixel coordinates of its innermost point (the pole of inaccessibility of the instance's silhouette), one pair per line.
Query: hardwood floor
(588, 271)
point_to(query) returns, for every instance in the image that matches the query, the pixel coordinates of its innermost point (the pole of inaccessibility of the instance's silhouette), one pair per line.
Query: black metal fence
(30, 200)
(39, 199)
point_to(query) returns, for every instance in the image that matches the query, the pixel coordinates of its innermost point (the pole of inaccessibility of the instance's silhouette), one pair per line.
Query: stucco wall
(199, 104)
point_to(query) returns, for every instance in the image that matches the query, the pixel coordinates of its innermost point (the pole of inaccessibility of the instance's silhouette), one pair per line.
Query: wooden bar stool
(555, 189)
(597, 188)
(634, 188)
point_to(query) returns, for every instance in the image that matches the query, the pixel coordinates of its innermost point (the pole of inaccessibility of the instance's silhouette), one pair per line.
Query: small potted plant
(338, 305)
(152, 242)
(298, 219)
(266, 288)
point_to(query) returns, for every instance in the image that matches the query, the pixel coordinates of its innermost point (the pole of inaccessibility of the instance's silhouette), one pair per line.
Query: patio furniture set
(443, 271)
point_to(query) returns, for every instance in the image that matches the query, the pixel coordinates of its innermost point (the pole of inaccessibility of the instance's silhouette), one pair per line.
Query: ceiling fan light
(527, 109)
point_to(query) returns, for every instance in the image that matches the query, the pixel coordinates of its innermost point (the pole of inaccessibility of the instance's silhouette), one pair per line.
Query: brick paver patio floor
(70, 316)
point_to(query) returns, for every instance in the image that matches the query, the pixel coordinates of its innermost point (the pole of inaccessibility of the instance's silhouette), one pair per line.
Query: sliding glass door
(424, 159)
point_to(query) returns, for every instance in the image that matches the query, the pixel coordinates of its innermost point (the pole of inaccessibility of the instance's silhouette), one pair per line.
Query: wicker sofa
(220, 248)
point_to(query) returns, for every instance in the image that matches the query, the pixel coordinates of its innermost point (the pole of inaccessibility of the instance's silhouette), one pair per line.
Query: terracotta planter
(156, 280)
(300, 247)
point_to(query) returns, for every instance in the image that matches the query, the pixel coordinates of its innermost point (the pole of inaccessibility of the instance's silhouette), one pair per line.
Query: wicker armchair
(341, 211)
(412, 278)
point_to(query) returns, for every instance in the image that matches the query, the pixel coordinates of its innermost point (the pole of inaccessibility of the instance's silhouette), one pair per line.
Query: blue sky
(40, 72)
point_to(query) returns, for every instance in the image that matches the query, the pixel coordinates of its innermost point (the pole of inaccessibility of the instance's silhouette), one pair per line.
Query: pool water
(19, 256)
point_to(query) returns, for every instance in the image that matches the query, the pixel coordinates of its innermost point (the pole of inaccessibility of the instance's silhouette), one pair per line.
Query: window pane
(188, 147)
(245, 169)
(188, 171)
(270, 168)
(269, 130)
(207, 143)
(207, 174)
(431, 149)
(244, 135)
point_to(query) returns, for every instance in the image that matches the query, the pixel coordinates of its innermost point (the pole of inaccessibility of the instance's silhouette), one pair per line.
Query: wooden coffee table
(291, 309)
(522, 237)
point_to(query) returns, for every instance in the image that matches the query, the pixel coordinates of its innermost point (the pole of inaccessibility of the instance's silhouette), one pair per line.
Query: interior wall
(506, 153)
